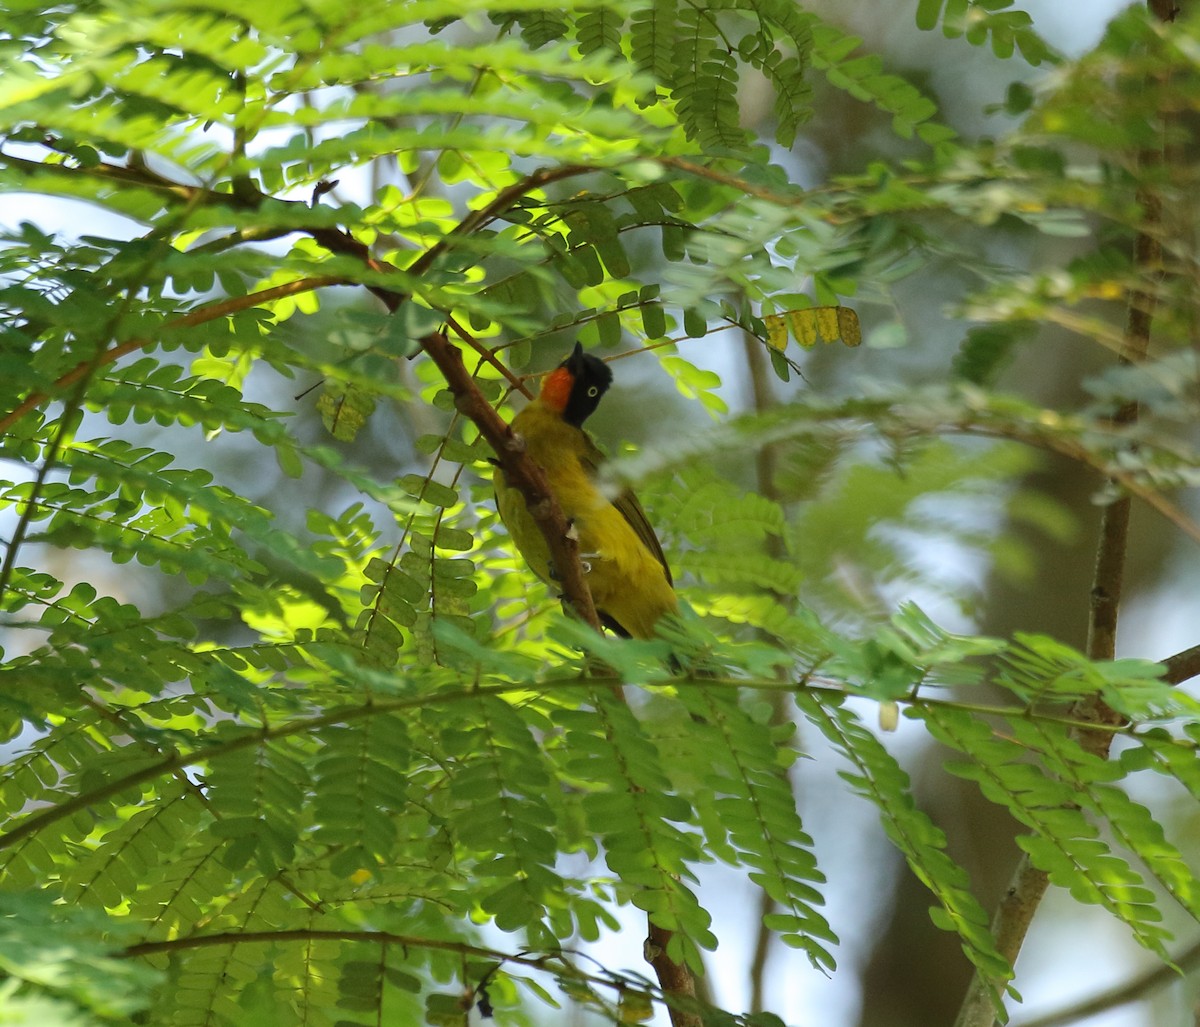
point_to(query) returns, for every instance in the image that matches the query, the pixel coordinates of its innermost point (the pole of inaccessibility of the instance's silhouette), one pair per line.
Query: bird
(622, 558)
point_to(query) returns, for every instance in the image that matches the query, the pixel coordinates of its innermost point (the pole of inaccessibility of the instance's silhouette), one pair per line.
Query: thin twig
(487, 356)
(49, 459)
(209, 312)
(766, 466)
(1123, 994)
(551, 962)
(834, 690)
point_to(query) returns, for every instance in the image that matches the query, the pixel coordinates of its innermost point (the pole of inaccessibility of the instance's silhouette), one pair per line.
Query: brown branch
(197, 941)
(171, 762)
(1123, 994)
(1114, 522)
(338, 241)
(764, 937)
(1009, 926)
(550, 962)
(43, 817)
(487, 356)
(136, 175)
(1034, 435)
(1182, 666)
(1164, 10)
(1029, 883)
(495, 207)
(676, 979)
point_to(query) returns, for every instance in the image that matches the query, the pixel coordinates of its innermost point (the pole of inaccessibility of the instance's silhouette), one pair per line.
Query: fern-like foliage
(291, 734)
(877, 777)
(652, 861)
(755, 819)
(980, 22)
(1060, 840)
(689, 55)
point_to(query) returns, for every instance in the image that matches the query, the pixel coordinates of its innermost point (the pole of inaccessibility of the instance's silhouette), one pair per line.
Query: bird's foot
(585, 562)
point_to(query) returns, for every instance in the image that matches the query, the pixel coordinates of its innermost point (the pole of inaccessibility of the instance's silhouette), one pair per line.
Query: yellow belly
(627, 582)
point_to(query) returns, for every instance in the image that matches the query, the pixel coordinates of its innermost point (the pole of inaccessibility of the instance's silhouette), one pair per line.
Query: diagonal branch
(1131, 991)
(676, 980)
(1182, 665)
(554, 963)
(520, 470)
(208, 312)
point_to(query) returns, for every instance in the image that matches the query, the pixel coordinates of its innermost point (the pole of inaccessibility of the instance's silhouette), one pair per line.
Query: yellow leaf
(634, 1007)
(848, 326)
(827, 323)
(804, 327)
(344, 410)
(1106, 290)
(777, 333)
(889, 716)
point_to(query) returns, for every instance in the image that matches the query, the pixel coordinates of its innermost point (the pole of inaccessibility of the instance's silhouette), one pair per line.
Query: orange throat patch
(556, 389)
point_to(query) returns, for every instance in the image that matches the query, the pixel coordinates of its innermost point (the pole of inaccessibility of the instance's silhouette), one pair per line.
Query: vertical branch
(1114, 521)
(765, 461)
(1024, 894)
(65, 427)
(676, 979)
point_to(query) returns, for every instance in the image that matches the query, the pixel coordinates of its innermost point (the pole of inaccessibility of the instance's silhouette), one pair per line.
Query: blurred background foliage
(270, 664)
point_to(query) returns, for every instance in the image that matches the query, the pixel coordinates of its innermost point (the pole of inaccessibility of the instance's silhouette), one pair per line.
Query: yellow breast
(629, 585)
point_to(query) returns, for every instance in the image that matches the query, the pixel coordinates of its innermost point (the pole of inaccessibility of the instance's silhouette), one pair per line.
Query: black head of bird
(574, 388)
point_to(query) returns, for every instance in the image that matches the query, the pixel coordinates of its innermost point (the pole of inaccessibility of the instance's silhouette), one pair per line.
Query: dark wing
(628, 506)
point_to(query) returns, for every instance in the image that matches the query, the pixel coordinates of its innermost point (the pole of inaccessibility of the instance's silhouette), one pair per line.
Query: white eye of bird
(593, 391)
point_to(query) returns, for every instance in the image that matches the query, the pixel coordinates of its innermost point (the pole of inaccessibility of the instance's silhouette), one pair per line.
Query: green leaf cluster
(291, 734)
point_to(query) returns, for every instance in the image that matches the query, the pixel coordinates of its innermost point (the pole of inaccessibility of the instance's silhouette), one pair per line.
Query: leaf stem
(201, 315)
(550, 962)
(303, 725)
